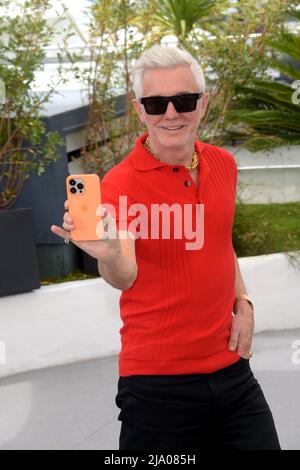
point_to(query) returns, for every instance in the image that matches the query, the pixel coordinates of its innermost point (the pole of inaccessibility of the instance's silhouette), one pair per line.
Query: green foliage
(289, 46)
(73, 276)
(25, 146)
(179, 17)
(235, 53)
(113, 46)
(231, 46)
(266, 228)
(266, 113)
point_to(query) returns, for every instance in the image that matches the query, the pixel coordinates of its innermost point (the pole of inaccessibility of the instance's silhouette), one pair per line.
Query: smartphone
(84, 196)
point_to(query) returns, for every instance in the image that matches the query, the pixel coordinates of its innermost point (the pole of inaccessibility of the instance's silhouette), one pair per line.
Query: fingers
(239, 343)
(68, 225)
(109, 226)
(105, 217)
(68, 222)
(60, 232)
(244, 348)
(234, 339)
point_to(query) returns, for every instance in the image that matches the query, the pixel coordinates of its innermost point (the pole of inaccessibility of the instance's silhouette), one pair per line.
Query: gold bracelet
(244, 297)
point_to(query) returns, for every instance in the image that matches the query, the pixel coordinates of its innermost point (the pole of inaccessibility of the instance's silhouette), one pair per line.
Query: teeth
(172, 128)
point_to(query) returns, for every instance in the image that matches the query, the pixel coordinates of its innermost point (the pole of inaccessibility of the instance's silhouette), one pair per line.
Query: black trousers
(222, 410)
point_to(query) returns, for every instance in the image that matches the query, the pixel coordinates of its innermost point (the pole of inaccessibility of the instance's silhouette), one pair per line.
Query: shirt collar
(142, 160)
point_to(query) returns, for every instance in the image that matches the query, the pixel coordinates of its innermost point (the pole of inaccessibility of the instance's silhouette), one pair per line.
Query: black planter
(89, 264)
(19, 270)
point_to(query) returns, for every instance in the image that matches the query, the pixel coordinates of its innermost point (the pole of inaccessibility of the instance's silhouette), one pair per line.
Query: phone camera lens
(72, 182)
(80, 186)
(73, 190)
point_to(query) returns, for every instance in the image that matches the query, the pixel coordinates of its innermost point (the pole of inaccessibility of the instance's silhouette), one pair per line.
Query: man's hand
(242, 329)
(103, 249)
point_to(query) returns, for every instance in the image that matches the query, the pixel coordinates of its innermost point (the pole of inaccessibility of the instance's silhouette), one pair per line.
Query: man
(185, 379)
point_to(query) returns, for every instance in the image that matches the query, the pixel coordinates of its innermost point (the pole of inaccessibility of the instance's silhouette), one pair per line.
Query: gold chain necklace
(193, 165)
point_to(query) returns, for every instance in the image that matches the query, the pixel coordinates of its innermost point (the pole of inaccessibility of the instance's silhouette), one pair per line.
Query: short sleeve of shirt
(118, 201)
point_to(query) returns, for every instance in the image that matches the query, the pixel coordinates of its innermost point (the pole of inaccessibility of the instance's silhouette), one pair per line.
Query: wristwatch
(244, 297)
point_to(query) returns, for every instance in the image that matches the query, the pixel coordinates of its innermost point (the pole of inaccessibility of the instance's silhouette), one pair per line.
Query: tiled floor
(73, 406)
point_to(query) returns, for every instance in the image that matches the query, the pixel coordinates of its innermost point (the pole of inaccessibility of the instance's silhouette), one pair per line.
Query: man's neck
(173, 155)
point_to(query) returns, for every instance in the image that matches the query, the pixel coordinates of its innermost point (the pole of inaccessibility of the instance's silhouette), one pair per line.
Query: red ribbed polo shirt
(177, 315)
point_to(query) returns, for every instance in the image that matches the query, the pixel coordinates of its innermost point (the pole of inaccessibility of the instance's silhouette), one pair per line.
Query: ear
(138, 107)
(204, 103)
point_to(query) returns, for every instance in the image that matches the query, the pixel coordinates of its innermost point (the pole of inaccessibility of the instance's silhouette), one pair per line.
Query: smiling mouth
(172, 128)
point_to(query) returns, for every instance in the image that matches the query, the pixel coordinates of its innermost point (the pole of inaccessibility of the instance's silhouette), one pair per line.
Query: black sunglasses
(184, 103)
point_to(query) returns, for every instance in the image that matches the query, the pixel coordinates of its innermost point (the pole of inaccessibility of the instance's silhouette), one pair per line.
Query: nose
(171, 111)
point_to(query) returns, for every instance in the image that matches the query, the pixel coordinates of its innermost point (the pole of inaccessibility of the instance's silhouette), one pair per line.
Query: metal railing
(267, 167)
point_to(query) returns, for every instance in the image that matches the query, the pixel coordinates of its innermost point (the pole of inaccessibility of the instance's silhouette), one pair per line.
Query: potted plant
(25, 146)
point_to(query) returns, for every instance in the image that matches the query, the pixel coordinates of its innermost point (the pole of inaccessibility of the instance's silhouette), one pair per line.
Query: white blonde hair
(158, 57)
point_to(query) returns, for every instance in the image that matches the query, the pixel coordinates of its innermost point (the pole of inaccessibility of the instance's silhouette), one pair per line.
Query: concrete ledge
(79, 320)
(59, 324)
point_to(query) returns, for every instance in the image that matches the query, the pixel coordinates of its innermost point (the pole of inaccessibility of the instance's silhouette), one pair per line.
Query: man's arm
(243, 321)
(239, 285)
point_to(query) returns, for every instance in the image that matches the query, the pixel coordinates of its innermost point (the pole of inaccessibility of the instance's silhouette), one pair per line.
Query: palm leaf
(287, 69)
(289, 44)
(267, 94)
(268, 120)
(179, 16)
(295, 14)
(265, 113)
(289, 62)
(265, 142)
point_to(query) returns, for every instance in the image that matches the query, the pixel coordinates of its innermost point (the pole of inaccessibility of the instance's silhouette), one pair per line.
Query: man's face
(168, 82)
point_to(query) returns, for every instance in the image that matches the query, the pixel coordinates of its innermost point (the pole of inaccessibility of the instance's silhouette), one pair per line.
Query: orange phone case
(84, 196)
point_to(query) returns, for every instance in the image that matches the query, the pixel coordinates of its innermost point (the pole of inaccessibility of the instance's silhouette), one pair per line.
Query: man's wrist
(243, 298)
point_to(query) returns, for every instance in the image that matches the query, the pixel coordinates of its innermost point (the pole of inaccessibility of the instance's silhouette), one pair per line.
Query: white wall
(79, 320)
(272, 184)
